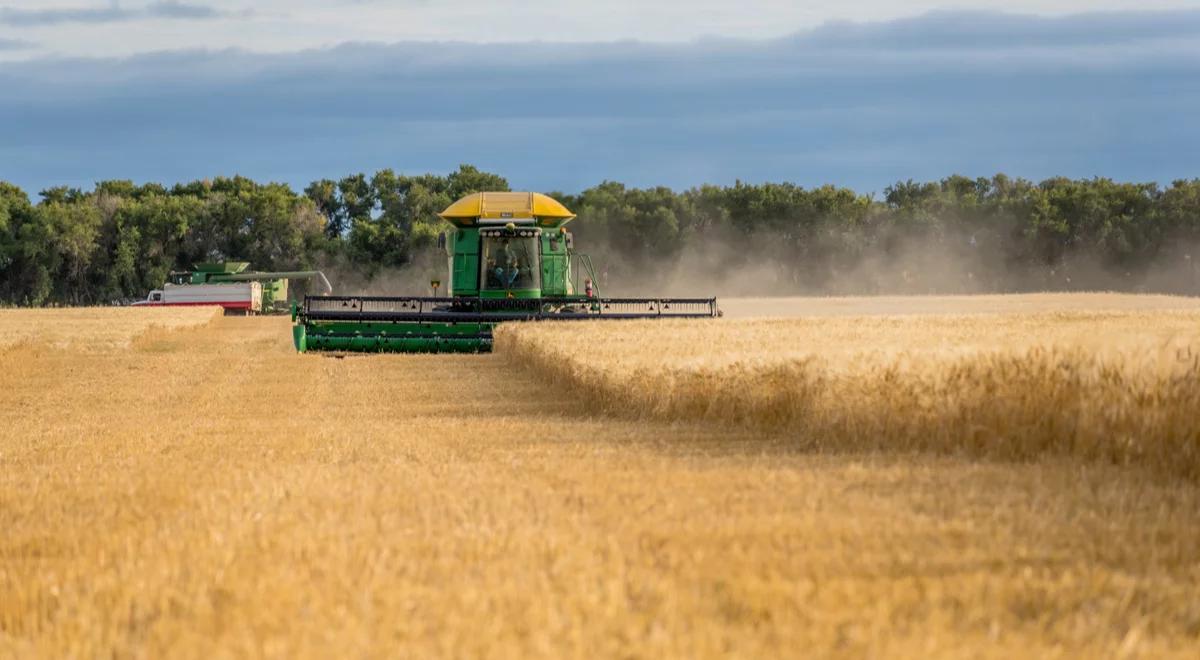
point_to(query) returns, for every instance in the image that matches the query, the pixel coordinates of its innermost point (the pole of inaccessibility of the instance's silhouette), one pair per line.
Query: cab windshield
(510, 262)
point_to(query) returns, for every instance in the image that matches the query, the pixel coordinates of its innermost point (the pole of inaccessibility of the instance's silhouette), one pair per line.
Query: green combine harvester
(511, 259)
(274, 284)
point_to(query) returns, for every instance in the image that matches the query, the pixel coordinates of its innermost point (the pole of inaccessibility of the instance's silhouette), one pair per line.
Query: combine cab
(511, 259)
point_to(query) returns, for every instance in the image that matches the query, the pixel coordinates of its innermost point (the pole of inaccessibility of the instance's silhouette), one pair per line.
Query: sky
(561, 95)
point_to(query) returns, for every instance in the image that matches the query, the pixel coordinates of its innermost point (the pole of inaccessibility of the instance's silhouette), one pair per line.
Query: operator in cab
(504, 265)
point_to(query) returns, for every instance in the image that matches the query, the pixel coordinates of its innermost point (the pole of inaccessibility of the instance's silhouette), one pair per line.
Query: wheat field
(1025, 303)
(93, 328)
(1121, 386)
(206, 491)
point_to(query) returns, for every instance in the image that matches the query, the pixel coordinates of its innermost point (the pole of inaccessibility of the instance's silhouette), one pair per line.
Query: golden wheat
(974, 304)
(1117, 386)
(207, 492)
(94, 328)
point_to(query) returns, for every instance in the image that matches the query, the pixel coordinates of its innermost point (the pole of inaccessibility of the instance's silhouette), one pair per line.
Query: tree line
(119, 240)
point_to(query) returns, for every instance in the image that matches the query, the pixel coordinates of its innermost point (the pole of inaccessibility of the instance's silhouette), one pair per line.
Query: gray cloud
(975, 30)
(915, 98)
(176, 9)
(173, 9)
(15, 44)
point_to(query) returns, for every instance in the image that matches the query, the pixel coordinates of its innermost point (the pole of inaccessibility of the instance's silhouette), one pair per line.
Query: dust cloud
(901, 266)
(413, 279)
(767, 265)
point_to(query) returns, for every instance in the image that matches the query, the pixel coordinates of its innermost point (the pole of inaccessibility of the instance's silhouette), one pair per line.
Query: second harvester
(511, 259)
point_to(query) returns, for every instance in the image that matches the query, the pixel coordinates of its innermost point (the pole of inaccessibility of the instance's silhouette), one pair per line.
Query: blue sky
(862, 95)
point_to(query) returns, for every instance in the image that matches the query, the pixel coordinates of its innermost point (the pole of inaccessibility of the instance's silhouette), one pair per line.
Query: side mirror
(441, 241)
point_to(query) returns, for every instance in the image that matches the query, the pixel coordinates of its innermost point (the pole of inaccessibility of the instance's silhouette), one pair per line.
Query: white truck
(238, 298)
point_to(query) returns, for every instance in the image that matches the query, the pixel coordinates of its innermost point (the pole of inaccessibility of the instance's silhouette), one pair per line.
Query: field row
(1118, 386)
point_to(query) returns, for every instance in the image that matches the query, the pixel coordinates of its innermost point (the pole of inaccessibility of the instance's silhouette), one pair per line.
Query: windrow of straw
(1119, 387)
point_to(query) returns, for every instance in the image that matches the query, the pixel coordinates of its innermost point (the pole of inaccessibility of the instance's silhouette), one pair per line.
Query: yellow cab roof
(486, 208)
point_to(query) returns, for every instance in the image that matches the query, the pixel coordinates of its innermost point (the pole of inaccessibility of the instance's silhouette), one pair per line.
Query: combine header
(511, 259)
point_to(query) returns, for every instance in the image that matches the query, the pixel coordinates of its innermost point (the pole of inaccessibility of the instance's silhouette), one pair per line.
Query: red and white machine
(235, 297)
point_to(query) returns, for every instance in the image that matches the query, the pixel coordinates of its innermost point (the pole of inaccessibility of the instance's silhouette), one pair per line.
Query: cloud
(14, 44)
(176, 9)
(907, 99)
(114, 13)
(978, 30)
